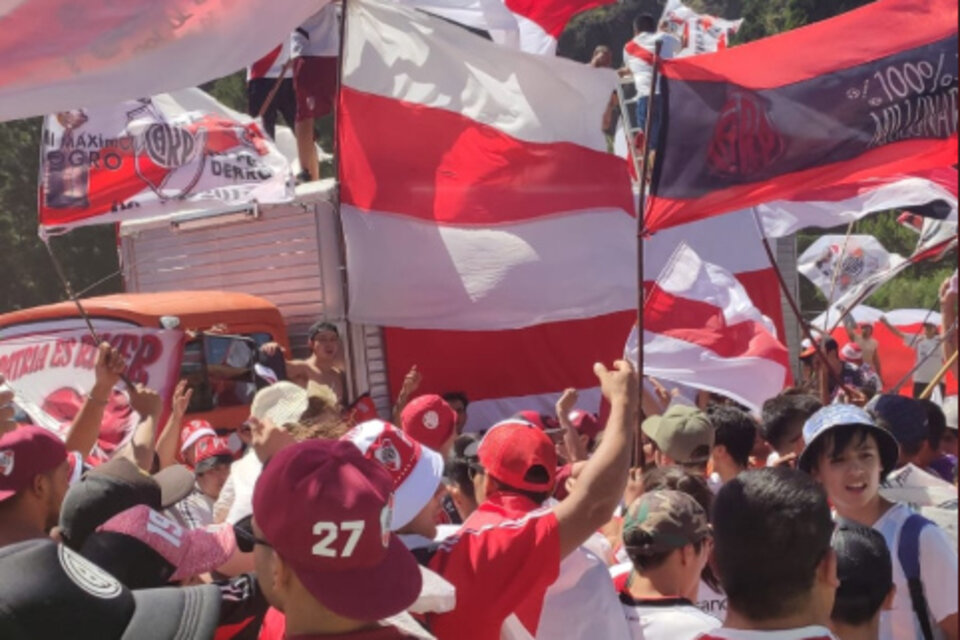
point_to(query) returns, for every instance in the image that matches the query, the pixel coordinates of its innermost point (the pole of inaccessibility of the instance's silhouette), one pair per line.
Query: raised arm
(892, 328)
(576, 450)
(85, 429)
(411, 382)
(600, 485)
(169, 439)
(149, 405)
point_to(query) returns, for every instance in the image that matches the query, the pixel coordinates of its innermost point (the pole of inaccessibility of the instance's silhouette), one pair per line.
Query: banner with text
(51, 375)
(152, 157)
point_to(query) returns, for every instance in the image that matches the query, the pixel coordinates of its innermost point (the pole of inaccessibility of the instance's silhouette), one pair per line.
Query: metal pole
(836, 272)
(639, 456)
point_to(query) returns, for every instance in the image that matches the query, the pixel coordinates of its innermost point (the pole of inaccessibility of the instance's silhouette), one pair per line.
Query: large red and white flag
(61, 54)
(503, 372)
(154, 157)
(476, 189)
(762, 121)
(701, 329)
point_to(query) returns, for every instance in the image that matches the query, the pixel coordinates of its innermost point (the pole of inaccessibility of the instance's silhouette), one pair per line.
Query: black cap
(131, 561)
(115, 486)
(49, 591)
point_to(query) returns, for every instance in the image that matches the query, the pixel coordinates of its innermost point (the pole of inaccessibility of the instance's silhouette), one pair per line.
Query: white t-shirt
(925, 346)
(709, 601)
(666, 619)
(319, 35)
(938, 572)
(243, 478)
(640, 65)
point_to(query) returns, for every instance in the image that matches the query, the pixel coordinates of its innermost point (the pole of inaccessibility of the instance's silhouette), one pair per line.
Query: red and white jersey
(270, 65)
(813, 632)
(638, 56)
(500, 565)
(665, 618)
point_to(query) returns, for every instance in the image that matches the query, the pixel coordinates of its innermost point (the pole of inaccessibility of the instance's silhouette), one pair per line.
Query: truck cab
(222, 330)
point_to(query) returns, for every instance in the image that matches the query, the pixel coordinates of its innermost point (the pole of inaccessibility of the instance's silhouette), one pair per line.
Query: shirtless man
(867, 343)
(324, 366)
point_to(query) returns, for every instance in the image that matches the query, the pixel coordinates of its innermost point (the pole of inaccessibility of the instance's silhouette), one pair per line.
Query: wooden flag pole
(639, 458)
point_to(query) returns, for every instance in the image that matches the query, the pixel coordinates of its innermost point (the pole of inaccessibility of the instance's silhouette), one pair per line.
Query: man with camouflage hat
(682, 436)
(667, 536)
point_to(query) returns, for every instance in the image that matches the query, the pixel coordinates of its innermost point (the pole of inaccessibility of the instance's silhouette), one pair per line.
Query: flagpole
(926, 393)
(73, 296)
(639, 456)
(338, 222)
(793, 304)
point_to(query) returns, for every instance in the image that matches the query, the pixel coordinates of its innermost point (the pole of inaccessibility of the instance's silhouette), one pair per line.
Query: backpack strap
(908, 553)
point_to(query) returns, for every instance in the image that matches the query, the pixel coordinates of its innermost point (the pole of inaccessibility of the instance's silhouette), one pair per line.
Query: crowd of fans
(304, 523)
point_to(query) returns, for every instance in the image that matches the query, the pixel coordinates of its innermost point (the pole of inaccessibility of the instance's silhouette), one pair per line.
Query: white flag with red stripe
(701, 329)
(476, 189)
(698, 32)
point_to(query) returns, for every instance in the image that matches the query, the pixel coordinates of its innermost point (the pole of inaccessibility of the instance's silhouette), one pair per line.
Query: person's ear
(827, 570)
(40, 485)
(888, 601)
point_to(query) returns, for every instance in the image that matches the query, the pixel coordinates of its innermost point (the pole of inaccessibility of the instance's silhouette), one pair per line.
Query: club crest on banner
(745, 140)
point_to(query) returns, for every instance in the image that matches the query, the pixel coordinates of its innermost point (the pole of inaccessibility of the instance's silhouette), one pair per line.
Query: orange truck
(238, 318)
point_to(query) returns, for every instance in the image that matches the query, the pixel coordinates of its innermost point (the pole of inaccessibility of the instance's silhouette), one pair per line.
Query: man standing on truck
(325, 364)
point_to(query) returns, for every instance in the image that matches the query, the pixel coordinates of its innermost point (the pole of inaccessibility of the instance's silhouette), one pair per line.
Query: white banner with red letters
(52, 373)
(154, 157)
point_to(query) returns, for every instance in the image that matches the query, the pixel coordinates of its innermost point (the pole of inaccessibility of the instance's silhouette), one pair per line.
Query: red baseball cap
(511, 449)
(326, 510)
(429, 420)
(193, 431)
(585, 423)
(540, 421)
(416, 471)
(26, 452)
(208, 451)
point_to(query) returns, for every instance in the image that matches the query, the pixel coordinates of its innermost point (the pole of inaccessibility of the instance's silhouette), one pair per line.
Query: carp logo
(6, 462)
(431, 420)
(744, 139)
(168, 158)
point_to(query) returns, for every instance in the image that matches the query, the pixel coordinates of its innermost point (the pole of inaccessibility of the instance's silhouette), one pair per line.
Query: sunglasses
(474, 470)
(246, 539)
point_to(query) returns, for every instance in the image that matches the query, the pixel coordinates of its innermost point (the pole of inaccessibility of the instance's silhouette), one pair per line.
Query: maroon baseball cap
(25, 453)
(429, 420)
(540, 421)
(512, 449)
(585, 423)
(326, 510)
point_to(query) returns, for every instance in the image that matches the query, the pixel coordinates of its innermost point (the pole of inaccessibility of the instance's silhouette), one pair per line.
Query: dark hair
(783, 411)
(771, 529)
(936, 423)
(457, 469)
(865, 571)
(317, 327)
(644, 23)
(647, 562)
(838, 438)
(830, 345)
(695, 486)
(736, 430)
(456, 395)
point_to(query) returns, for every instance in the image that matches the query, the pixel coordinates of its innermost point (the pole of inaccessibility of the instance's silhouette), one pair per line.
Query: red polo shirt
(501, 562)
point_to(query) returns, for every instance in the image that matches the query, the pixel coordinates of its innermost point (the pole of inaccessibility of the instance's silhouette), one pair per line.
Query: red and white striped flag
(701, 329)
(476, 189)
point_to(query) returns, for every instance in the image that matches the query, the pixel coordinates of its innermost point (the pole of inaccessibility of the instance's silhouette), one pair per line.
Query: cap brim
(886, 443)
(176, 483)
(364, 594)
(649, 426)
(174, 612)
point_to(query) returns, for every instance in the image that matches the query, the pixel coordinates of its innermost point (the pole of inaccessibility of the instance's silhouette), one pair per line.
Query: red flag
(765, 120)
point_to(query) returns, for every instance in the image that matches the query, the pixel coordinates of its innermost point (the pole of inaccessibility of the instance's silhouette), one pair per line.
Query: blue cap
(905, 416)
(838, 415)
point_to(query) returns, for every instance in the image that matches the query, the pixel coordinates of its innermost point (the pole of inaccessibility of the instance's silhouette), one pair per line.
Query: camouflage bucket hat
(664, 520)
